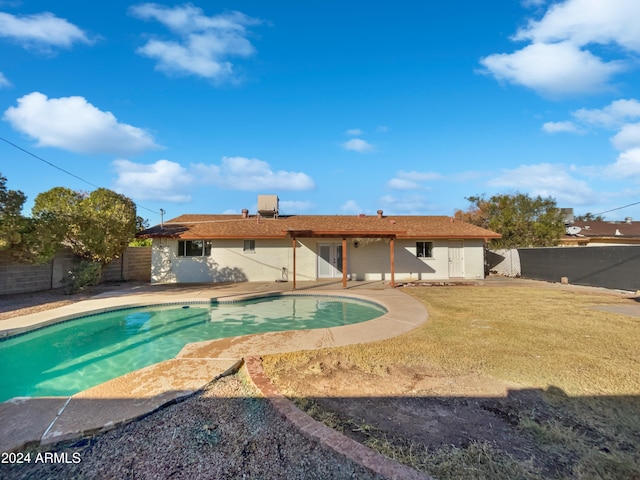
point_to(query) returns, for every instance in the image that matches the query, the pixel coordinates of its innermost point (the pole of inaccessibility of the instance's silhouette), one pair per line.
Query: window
(249, 246)
(424, 249)
(194, 248)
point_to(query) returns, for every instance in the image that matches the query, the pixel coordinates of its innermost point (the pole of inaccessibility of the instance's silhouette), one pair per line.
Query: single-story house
(270, 247)
(596, 233)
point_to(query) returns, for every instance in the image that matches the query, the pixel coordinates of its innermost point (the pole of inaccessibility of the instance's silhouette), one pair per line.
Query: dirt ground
(422, 410)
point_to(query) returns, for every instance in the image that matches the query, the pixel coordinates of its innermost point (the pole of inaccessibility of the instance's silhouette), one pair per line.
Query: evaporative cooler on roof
(268, 205)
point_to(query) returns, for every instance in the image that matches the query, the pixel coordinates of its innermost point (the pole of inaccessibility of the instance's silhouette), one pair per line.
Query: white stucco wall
(473, 259)
(229, 263)
(369, 261)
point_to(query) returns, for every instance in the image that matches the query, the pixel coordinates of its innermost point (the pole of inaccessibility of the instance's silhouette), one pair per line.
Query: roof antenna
(162, 212)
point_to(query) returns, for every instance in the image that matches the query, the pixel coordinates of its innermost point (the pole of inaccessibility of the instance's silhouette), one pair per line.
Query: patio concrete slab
(25, 420)
(134, 395)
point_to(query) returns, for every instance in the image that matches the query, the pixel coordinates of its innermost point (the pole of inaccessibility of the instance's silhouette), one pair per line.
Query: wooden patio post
(392, 245)
(344, 262)
(293, 244)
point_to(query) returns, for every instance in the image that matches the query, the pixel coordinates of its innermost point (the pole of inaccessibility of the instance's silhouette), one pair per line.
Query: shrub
(82, 275)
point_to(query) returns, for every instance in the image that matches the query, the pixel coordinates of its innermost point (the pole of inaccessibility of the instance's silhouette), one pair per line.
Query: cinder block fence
(15, 277)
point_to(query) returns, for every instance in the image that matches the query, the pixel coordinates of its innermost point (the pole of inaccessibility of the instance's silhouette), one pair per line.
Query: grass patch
(477, 461)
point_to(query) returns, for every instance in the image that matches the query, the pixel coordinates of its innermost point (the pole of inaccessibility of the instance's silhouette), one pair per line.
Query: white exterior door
(329, 260)
(456, 259)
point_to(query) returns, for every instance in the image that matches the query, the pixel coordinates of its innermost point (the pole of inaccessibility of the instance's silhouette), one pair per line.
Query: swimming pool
(69, 357)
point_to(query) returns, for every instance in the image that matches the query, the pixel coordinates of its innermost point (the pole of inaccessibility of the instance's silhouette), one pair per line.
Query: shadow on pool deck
(32, 421)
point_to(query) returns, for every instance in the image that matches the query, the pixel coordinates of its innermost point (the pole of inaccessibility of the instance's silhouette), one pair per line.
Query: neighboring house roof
(236, 226)
(601, 231)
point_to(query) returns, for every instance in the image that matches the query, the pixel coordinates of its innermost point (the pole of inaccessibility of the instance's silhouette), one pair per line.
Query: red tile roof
(192, 226)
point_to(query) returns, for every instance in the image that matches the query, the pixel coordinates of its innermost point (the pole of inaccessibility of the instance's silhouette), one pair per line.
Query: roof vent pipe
(628, 220)
(379, 213)
(245, 213)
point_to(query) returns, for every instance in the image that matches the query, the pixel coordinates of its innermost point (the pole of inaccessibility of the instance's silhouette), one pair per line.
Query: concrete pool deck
(48, 420)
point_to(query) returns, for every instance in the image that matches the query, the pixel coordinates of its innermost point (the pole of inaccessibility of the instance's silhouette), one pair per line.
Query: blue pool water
(69, 357)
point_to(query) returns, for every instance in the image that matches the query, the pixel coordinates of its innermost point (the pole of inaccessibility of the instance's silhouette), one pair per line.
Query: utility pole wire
(63, 170)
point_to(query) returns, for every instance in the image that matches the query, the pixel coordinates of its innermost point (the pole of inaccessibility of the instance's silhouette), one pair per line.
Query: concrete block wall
(138, 264)
(16, 277)
(135, 265)
(22, 278)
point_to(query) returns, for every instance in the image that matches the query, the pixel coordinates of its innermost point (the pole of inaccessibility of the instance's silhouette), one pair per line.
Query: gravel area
(225, 432)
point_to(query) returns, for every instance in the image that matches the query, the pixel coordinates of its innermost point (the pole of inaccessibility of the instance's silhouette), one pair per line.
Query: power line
(48, 163)
(63, 170)
(619, 208)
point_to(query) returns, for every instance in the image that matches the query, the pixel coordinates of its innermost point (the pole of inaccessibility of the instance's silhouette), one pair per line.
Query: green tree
(96, 226)
(523, 221)
(141, 224)
(26, 239)
(588, 217)
(12, 223)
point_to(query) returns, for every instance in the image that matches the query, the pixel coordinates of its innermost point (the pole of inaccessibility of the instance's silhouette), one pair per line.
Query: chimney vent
(628, 220)
(245, 213)
(379, 213)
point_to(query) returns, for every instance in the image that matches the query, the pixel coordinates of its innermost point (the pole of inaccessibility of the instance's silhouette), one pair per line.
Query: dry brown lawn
(584, 362)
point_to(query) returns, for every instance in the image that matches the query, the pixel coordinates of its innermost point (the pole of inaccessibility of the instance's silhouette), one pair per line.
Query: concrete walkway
(32, 421)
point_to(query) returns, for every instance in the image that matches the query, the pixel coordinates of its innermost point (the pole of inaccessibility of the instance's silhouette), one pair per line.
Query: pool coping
(137, 394)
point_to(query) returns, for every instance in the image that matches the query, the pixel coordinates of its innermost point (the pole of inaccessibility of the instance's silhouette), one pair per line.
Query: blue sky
(336, 107)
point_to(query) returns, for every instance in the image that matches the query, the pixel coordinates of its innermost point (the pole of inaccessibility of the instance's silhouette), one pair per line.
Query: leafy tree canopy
(523, 221)
(96, 226)
(26, 239)
(588, 217)
(11, 220)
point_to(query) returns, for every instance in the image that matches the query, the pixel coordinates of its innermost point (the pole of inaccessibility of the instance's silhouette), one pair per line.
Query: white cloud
(557, 61)
(162, 180)
(350, 206)
(627, 165)
(172, 182)
(627, 137)
(618, 115)
(561, 127)
(251, 174)
(586, 21)
(613, 115)
(411, 180)
(354, 132)
(545, 179)
(419, 176)
(403, 184)
(405, 205)
(532, 3)
(359, 145)
(203, 43)
(4, 81)
(73, 124)
(553, 69)
(41, 31)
